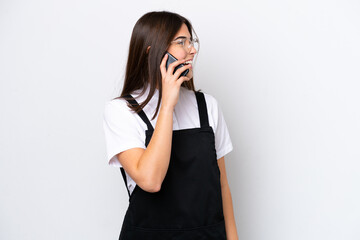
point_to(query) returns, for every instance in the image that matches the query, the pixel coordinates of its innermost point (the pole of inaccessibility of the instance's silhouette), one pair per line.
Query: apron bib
(189, 203)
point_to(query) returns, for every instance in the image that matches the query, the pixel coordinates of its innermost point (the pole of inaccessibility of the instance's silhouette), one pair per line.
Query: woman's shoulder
(189, 99)
(115, 103)
(207, 96)
(210, 100)
(117, 108)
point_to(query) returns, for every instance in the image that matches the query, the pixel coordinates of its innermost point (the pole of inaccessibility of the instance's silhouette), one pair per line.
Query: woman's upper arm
(223, 142)
(121, 130)
(124, 143)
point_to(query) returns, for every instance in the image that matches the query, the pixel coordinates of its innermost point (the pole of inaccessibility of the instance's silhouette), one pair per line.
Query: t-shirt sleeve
(121, 130)
(223, 142)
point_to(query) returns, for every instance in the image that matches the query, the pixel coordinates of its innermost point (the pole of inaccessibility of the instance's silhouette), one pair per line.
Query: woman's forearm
(154, 162)
(231, 232)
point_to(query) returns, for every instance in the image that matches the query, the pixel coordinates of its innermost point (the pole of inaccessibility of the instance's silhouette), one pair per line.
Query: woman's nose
(192, 50)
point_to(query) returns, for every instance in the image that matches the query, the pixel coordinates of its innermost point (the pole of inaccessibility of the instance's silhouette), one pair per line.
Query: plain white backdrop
(285, 73)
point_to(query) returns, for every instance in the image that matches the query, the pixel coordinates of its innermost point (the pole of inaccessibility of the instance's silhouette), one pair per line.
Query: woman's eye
(181, 43)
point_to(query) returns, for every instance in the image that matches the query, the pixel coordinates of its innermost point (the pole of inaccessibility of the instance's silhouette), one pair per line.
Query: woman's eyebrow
(180, 37)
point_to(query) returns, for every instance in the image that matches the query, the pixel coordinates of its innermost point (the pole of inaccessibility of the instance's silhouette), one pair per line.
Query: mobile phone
(172, 59)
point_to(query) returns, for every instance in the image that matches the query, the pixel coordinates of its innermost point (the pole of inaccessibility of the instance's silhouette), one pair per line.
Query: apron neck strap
(143, 116)
(200, 98)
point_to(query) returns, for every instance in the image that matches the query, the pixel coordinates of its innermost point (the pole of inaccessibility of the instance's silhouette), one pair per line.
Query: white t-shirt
(125, 129)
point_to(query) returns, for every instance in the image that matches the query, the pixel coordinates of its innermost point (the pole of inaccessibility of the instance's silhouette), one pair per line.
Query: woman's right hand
(171, 83)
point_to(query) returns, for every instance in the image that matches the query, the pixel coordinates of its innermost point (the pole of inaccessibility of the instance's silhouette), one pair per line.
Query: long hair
(155, 29)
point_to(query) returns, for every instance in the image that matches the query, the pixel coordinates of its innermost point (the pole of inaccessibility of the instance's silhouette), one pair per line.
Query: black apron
(189, 203)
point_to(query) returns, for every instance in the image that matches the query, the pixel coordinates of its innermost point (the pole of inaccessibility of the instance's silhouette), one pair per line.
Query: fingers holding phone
(171, 59)
(173, 73)
(171, 67)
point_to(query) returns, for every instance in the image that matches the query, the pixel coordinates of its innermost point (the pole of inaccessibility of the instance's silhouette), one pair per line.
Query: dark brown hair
(155, 29)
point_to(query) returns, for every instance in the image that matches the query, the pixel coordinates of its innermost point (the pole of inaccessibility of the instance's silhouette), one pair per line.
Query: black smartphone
(172, 59)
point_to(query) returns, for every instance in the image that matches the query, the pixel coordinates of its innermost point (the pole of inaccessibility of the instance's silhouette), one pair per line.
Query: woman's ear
(147, 50)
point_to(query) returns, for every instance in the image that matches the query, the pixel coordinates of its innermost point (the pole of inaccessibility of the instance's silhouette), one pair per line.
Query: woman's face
(179, 51)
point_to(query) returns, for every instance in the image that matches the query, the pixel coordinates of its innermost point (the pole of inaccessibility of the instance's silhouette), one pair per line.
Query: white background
(285, 73)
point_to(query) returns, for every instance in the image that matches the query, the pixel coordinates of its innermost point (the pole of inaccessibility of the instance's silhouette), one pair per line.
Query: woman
(173, 165)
